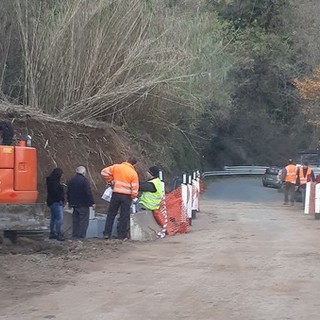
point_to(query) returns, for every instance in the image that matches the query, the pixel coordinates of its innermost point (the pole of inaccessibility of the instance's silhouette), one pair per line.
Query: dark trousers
(303, 189)
(122, 201)
(80, 222)
(289, 192)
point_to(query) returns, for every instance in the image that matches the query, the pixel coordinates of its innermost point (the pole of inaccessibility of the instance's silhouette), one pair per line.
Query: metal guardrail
(316, 170)
(236, 170)
(244, 170)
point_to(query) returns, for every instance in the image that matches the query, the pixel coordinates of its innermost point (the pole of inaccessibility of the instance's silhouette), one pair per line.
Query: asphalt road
(242, 189)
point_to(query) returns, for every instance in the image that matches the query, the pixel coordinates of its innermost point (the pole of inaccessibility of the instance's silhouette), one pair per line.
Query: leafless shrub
(91, 59)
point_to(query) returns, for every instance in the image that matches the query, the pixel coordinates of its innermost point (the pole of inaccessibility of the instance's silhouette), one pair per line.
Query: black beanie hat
(154, 171)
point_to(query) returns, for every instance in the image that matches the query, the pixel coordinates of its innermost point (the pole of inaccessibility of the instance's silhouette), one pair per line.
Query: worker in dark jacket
(6, 133)
(80, 199)
(55, 201)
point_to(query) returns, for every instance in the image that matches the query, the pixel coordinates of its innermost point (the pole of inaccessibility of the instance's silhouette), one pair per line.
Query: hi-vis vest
(124, 178)
(303, 179)
(291, 175)
(151, 200)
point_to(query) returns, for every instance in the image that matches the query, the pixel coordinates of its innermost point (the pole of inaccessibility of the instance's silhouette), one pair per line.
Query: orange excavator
(18, 189)
(18, 174)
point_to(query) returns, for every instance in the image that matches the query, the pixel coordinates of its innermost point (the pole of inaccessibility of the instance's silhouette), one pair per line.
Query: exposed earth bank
(69, 144)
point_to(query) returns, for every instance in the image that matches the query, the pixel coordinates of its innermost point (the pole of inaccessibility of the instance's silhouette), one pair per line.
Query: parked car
(272, 177)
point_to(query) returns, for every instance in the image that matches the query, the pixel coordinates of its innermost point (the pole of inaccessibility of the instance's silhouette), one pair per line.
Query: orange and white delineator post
(317, 200)
(309, 207)
(189, 203)
(195, 191)
(198, 187)
(163, 208)
(184, 193)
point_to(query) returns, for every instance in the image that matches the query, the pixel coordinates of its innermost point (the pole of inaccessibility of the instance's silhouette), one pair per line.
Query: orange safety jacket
(291, 175)
(304, 179)
(124, 178)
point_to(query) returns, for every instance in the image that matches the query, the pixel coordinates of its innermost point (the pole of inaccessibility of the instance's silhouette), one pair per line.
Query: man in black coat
(6, 133)
(80, 198)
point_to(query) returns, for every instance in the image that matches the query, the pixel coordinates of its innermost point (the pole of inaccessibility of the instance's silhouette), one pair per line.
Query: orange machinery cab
(18, 174)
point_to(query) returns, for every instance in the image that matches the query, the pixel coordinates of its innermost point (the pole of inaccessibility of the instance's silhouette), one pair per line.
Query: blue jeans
(56, 210)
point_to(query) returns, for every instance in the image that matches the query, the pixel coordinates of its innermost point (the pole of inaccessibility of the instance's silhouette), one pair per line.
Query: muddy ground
(239, 261)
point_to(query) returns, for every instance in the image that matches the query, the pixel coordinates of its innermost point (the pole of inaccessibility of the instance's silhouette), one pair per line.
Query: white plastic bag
(107, 194)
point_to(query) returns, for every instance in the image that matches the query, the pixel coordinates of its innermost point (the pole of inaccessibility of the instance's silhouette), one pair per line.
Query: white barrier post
(317, 202)
(307, 198)
(189, 201)
(163, 207)
(162, 182)
(184, 195)
(198, 188)
(195, 194)
(312, 200)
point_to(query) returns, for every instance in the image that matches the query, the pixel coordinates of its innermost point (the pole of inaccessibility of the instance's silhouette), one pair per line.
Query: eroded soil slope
(68, 145)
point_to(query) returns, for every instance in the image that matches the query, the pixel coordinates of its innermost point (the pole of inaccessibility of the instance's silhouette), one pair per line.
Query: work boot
(60, 237)
(52, 235)
(120, 238)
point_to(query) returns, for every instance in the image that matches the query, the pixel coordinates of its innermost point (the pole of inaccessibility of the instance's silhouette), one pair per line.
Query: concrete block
(101, 222)
(92, 231)
(95, 227)
(67, 223)
(92, 213)
(143, 226)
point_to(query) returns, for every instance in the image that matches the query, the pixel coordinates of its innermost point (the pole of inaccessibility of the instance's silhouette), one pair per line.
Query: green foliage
(266, 14)
(265, 105)
(185, 78)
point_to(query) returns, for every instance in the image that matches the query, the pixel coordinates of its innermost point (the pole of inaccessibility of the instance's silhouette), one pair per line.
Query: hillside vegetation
(194, 83)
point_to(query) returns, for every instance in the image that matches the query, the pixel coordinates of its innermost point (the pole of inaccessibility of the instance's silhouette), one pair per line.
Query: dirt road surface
(241, 260)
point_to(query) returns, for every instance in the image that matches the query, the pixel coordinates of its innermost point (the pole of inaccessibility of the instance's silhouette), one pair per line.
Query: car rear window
(274, 171)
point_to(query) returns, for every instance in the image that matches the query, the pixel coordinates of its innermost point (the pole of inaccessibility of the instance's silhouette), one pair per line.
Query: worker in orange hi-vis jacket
(125, 182)
(289, 176)
(304, 174)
